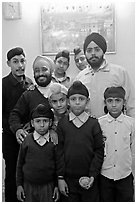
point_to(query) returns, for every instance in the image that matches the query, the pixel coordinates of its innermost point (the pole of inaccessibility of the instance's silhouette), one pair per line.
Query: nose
(58, 103)
(20, 64)
(41, 123)
(77, 101)
(114, 103)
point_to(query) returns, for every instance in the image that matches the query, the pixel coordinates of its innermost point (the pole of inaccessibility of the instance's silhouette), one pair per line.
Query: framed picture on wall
(66, 26)
(11, 10)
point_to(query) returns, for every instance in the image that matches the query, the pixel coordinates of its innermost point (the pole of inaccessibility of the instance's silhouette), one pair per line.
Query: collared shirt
(66, 81)
(119, 145)
(78, 120)
(106, 76)
(41, 139)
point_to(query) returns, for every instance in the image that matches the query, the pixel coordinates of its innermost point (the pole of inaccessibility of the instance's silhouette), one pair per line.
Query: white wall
(26, 33)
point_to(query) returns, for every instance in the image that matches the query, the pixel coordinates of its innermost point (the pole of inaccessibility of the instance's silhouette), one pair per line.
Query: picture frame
(11, 10)
(67, 27)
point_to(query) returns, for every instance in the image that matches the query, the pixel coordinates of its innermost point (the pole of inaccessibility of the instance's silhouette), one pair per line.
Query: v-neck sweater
(80, 151)
(36, 163)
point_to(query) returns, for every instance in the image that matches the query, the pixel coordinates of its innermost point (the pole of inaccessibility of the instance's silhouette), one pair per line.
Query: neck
(19, 78)
(59, 75)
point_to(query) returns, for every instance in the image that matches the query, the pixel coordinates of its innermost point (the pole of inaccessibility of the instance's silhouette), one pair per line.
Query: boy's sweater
(36, 163)
(80, 151)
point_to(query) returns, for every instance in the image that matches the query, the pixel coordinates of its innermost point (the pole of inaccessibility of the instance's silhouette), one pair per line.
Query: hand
(91, 180)
(31, 87)
(20, 193)
(63, 187)
(54, 137)
(56, 194)
(20, 135)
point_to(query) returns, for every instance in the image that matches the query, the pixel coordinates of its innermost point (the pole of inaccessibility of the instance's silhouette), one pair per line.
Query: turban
(56, 88)
(64, 53)
(114, 92)
(98, 39)
(48, 62)
(42, 111)
(78, 88)
(15, 51)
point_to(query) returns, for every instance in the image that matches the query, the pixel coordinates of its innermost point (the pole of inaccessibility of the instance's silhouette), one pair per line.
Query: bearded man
(21, 113)
(101, 74)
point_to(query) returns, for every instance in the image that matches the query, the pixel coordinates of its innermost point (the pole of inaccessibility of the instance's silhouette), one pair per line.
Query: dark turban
(15, 51)
(78, 88)
(98, 39)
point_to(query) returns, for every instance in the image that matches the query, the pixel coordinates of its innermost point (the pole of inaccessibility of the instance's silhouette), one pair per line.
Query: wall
(26, 33)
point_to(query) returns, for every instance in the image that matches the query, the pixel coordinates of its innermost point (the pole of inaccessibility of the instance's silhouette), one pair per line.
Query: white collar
(37, 136)
(83, 117)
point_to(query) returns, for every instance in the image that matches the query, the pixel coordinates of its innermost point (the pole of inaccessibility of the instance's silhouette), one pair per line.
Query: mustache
(93, 58)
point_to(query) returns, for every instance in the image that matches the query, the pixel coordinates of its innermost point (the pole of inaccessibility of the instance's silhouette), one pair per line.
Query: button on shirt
(41, 139)
(119, 146)
(96, 82)
(78, 121)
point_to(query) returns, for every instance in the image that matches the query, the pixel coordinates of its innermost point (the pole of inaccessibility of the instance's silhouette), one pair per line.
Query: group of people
(67, 140)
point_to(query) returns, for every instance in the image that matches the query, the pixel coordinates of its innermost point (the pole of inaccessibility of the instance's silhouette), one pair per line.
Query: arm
(132, 146)
(97, 161)
(130, 94)
(63, 187)
(19, 172)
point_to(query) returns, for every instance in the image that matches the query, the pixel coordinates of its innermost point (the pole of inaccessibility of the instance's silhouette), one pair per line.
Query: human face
(59, 103)
(61, 65)
(114, 106)
(94, 55)
(42, 73)
(80, 61)
(41, 125)
(17, 64)
(78, 103)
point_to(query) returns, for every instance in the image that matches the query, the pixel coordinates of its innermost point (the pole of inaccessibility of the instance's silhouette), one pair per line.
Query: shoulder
(116, 67)
(128, 119)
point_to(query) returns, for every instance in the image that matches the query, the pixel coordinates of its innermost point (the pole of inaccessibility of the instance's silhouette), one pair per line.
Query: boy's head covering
(48, 61)
(15, 51)
(56, 88)
(64, 53)
(98, 39)
(78, 88)
(42, 110)
(77, 50)
(115, 92)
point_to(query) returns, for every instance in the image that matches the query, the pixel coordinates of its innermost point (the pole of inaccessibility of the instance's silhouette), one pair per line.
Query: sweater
(21, 114)
(36, 163)
(80, 151)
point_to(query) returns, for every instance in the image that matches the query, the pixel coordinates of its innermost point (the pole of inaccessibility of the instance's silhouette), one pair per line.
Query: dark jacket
(11, 91)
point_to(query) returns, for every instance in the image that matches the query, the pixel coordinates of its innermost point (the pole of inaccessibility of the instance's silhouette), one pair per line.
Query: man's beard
(45, 83)
(96, 64)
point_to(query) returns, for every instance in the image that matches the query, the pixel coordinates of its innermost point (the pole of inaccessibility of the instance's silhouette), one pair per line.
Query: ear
(50, 122)
(32, 123)
(50, 103)
(8, 63)
(104, 102)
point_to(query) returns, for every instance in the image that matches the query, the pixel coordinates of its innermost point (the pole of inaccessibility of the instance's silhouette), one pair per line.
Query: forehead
(64, 59)
(41, 63)
(41, 118)
(17, 57)
(77, 96)
(58, 96)
(81, 54)
(92, 44)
